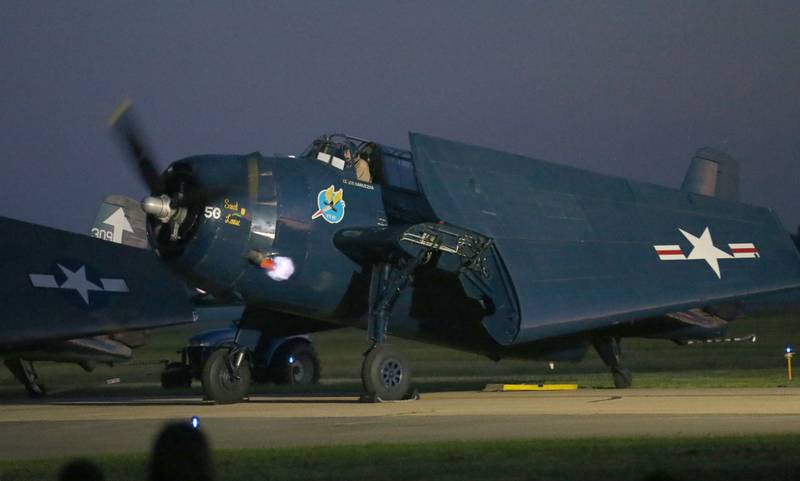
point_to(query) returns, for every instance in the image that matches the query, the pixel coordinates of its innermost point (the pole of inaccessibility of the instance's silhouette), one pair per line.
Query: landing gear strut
(25, 373)
(609, 351)
(385, 372)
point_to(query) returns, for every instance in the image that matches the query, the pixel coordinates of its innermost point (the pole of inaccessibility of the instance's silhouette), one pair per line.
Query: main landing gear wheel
(623, 378)
(223, 382)
(295, 363)
(386, 374)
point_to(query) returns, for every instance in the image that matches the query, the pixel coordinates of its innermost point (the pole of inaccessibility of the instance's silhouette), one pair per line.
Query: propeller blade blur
(123, 122)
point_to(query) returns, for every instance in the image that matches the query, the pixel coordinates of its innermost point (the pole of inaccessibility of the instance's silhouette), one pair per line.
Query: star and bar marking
(77, 281)
(703, 248)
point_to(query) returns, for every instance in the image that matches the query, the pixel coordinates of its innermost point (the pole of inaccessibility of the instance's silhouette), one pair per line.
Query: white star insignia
(703, 248)
(77, 280)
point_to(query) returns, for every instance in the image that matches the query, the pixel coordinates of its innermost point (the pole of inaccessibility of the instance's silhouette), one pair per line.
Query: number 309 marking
(212, 212)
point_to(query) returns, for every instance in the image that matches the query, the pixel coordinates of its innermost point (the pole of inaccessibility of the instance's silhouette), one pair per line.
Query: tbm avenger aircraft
(460, 246)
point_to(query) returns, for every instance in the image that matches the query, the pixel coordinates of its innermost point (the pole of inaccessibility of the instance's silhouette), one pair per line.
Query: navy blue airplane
(456, 245)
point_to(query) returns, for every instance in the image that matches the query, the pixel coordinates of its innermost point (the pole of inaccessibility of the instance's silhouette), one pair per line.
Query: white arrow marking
(120, 223)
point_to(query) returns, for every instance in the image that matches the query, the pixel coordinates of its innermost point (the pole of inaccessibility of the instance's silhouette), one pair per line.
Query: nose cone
(158, 207)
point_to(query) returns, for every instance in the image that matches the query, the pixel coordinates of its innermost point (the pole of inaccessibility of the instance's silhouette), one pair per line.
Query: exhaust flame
(279, 268)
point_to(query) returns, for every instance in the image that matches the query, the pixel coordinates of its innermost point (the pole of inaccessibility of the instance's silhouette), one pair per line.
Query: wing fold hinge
(469, 247)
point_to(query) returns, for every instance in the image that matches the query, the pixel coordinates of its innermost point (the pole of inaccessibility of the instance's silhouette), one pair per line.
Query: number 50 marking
(212, 212)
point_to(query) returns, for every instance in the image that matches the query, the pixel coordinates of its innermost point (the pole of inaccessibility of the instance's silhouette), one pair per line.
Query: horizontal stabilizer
(121, 220)
(713, 173)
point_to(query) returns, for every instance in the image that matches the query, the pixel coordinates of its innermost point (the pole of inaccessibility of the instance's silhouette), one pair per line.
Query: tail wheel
(623, 378)
(295, 363)
(223, 384)
(386, 373)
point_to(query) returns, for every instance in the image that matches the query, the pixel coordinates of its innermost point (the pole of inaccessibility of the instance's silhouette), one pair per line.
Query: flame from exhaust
(281, 269)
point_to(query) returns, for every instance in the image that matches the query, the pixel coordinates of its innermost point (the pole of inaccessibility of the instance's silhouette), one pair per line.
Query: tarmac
(84, 427)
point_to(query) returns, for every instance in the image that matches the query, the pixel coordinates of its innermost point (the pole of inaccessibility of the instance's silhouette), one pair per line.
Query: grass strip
(710, 458)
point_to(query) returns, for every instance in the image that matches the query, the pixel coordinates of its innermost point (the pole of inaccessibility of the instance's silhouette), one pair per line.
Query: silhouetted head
(180, 453)
(80, 470)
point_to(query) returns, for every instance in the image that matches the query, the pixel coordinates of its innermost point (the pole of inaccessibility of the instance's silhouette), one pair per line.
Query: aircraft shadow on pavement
(203, 402)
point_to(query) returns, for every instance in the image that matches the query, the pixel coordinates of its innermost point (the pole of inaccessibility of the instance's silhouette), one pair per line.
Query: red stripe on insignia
(748, 250)
(670, 253)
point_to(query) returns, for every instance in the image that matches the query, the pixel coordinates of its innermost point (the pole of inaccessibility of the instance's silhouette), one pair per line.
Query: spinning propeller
(171, 200)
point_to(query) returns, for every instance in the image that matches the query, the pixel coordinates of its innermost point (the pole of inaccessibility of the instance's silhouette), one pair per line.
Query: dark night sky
(624, 88)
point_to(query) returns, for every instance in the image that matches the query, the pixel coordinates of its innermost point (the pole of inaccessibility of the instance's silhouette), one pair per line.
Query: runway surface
(92, 426)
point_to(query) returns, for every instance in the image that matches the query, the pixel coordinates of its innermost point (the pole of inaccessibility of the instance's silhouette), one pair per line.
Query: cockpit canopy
(390, 167)
(337, 150)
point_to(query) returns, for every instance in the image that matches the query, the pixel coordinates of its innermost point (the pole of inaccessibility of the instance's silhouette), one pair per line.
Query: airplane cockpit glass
(387, 166)
(335, 150)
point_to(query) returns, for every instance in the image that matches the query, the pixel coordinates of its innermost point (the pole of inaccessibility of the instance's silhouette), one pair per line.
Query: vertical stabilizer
(713, 173)
(121, 220)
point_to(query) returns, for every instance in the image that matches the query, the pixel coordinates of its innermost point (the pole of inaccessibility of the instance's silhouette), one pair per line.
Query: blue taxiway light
(291, 359)
(195, 422)
(788, 349)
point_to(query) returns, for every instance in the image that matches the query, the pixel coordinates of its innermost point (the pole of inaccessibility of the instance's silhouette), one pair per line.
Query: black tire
(295, 363)
(386, 374)
(219, 384)
(623, 378)
(176, 376)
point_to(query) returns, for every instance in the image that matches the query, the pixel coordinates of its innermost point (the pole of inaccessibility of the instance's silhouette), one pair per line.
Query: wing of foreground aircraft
(58, 285)
(73, 298)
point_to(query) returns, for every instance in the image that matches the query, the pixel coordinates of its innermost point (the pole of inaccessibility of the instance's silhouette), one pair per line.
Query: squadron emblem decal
(703, 248)
(330, 204)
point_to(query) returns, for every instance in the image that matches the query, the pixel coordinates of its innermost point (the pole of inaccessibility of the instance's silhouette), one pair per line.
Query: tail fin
(713, 173)
(121, 220)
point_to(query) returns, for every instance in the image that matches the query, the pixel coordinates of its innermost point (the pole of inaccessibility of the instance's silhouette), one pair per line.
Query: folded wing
(581, 249)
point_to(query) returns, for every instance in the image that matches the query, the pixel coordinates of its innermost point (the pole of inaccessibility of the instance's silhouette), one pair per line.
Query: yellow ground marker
(530, 387)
